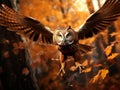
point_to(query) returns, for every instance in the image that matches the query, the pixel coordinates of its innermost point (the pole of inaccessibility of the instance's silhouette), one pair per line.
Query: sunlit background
(101, 64)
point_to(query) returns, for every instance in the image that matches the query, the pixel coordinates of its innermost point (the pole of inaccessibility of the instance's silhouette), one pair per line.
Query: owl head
(63, 37)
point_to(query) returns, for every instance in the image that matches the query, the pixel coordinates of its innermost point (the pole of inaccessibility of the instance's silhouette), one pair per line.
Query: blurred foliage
(54, 13)
(100, 71)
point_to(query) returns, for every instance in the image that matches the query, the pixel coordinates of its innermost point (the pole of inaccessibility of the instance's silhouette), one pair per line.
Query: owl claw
(79, 66)
(62, 71)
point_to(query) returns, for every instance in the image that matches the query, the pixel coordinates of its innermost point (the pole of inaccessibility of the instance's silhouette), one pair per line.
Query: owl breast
(68, 50)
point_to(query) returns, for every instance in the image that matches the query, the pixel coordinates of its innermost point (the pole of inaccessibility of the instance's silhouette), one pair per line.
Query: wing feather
(23, 25)
(101, 19)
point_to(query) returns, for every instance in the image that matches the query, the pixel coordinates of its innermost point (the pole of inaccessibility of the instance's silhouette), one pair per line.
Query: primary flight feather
(67, 39)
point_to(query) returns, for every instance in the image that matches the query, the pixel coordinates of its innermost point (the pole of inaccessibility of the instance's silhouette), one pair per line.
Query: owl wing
(100, 20)
(24, 25)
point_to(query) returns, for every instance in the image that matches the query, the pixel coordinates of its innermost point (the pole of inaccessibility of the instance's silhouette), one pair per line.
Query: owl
(66, 39)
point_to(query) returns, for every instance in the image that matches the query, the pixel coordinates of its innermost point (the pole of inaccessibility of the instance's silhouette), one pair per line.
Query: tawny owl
(66, 39)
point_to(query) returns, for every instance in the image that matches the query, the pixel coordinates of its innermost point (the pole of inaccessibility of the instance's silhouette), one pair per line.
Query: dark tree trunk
(15, 70)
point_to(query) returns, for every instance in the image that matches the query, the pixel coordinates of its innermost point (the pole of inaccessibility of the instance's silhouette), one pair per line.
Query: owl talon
(62, 71)
(79, 66)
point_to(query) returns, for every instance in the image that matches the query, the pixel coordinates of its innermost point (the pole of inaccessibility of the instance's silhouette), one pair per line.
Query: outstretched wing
(101, 19)
(24, 25)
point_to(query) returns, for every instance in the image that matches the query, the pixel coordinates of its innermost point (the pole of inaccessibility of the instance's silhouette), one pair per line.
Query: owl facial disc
(64, 37)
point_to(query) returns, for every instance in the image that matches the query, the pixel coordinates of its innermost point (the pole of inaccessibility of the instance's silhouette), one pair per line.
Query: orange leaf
(97, 65)
(87, 70)
(25, 71)
(85, 63)
(111, 57)
(100, 76)
(108, 50)
(72, 68)
(114, 34)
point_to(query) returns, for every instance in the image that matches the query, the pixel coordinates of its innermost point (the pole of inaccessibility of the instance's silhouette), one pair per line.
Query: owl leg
(62, 71)
(78, 65)
(62, 62)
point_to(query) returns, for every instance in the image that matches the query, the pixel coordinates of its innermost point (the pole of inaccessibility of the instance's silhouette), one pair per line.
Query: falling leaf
(114, 34)
(108, 50)
(111, 57)
(72, 68)
(25, 71)
(86, 70)
(85, 63)
(100, 76)
(97, 65)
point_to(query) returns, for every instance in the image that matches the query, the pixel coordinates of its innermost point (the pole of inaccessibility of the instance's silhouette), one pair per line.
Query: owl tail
(85, 48)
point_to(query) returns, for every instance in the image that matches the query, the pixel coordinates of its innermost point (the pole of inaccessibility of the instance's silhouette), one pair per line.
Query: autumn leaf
(85, 63)
(114, 34)
(25, 71)
(72, 68)
(100, 76)
(111, 57)
(108, 50)
(86, 70)
(97, 65)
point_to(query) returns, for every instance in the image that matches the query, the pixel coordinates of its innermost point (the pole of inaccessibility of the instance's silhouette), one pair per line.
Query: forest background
(34, 66)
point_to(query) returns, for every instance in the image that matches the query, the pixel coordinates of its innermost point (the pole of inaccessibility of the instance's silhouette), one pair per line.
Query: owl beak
(63, 42)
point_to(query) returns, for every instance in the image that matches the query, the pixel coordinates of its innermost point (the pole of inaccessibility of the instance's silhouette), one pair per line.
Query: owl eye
(67, 35)
(59, 35)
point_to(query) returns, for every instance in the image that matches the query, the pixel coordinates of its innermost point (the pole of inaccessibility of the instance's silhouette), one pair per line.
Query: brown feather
(101, 19)
(23, 25)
